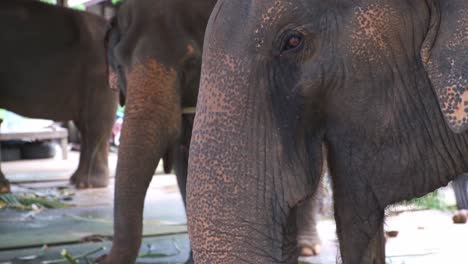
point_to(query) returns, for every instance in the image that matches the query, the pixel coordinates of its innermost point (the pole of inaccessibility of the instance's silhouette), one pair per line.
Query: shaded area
(90, 218)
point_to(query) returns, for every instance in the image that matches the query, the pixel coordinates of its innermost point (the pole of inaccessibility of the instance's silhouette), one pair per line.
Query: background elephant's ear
(445, 56)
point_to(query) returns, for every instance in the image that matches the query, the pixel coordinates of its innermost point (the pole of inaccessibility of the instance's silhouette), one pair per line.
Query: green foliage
(79, 7)
(116, 1)
(70, 259)
(52, 2)
(29, 202)
(429, 201)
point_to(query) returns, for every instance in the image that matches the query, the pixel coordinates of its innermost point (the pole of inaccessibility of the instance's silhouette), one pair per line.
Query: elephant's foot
(307, 251)
(4, 184)
(89, 180)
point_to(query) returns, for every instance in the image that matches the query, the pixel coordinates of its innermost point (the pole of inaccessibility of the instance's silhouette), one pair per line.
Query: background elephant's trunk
(151, 126)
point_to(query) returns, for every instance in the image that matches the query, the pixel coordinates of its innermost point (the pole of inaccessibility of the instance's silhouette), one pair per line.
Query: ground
(423, 236)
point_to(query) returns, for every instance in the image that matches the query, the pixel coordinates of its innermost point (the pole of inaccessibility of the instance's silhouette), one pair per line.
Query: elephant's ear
(445, 55)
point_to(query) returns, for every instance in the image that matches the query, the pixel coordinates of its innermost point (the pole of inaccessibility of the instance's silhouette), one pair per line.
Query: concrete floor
(425, 237)
(171, 249)
(23, 233)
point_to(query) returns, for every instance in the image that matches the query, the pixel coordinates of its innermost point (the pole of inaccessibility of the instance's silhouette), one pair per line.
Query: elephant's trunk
(243, 185)
(234, 215)
(151, 125)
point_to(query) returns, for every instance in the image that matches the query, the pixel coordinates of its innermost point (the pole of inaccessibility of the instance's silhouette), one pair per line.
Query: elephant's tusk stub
(189, 110)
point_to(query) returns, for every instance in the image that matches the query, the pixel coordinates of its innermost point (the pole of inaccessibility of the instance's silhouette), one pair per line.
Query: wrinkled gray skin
(372, 81)
(54, 67)
(157, 58)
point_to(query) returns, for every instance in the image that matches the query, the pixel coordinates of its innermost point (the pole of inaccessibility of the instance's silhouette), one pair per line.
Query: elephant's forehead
(269, 15)
(374, 27)
(273, 12)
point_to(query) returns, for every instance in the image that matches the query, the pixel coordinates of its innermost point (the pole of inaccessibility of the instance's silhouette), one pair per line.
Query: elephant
(377, 88)
(154, 47)
(54, 67)
(156, 56)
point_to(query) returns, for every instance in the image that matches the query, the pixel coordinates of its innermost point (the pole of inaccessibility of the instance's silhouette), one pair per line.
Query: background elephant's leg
(81, 163)
(375, 252)
(180, 167)
(93, 170)
(359, 222)
(4, 184)
(181, 154)
(460, 187)
(307, 236)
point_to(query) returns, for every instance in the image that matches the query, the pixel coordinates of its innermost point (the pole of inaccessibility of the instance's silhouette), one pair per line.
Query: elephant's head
(364, 78)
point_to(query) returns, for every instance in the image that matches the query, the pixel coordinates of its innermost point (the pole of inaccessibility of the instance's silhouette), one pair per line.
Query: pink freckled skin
(444, 53)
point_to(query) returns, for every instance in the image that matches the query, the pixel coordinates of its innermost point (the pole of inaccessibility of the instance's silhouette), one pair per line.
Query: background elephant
(54, 67)
(155, 47)
(363, 78)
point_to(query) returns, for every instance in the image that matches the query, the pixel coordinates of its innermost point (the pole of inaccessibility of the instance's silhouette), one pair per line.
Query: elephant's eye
(292, 41)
